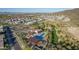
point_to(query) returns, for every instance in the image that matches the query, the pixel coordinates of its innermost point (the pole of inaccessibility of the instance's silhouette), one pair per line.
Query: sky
(32, 10)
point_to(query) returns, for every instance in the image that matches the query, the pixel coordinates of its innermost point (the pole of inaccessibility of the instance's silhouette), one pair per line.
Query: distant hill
(73, 14)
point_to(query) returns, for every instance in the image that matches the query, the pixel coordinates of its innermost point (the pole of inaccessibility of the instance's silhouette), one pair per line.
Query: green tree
(54, 38)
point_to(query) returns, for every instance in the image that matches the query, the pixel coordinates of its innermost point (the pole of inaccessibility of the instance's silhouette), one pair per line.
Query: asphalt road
(20, 43)
(16, 47)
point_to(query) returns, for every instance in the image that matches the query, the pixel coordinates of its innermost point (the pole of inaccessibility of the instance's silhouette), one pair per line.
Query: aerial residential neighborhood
(39, 31)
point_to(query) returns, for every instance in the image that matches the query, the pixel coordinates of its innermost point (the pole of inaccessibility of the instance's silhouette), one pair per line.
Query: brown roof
(35, 41)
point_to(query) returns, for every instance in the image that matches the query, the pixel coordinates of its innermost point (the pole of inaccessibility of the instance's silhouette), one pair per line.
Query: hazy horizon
(33, 10)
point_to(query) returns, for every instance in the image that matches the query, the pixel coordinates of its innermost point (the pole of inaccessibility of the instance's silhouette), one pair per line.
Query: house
(39, 40)
(1, 28)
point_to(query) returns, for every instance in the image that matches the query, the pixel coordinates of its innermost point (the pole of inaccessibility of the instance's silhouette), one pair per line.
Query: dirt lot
(74, 31)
